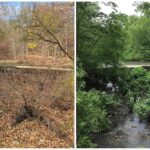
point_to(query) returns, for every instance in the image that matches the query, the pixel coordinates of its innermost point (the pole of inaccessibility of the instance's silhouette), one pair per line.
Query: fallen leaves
(34, 133)
(29, 134)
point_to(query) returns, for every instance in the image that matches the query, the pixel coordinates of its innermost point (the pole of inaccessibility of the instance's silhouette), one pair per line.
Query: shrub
(137, 86)
(80, 75)
(138, 72)
(142, 108)
(92, 112)
(140, 83)
(84, 141)
(90, 117)
(131, 99)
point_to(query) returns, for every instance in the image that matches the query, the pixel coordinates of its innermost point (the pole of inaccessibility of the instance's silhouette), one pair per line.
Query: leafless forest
(31, 33)
(36, 104)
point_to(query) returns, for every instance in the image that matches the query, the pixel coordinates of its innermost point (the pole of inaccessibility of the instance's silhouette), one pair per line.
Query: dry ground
(49, 123)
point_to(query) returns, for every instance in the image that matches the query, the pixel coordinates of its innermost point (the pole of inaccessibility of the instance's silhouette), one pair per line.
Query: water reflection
(131, 134)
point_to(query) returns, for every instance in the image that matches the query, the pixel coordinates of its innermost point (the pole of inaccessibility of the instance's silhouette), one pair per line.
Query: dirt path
(134, 64)
(36, 67)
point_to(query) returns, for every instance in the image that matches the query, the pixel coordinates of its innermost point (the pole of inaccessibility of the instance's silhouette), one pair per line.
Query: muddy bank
(119, 115)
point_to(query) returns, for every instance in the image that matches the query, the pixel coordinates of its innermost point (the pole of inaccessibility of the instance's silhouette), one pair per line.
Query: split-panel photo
(75, 74)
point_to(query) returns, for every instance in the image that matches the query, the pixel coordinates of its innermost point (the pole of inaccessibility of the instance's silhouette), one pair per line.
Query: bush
(131, 99)
(137, 86)
(92, 115)
(138, 72)
(80, 75)
(84, 141)
(91, 118)
(92, 112)
(142, 108)
(140, 83)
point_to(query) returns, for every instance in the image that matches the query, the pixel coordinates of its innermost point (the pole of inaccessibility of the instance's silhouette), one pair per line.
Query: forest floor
(36, 60)
(49, 123)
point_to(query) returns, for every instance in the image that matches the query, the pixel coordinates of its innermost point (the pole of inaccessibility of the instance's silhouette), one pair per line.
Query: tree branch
(57, 41)
(46, 40)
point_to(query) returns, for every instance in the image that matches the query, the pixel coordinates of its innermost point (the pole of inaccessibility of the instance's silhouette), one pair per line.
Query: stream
(131, 134)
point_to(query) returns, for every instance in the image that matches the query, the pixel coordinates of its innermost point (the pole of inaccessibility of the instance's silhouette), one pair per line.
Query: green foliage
(139, 89)
(100, 37)
(138, 72)
(131, 99)
(142, 108)
(140, 83)
(80, 75)
(104, 40)
(84, 141)
(136, 85)
(92, 103)
(143, 7)
(92, 112)
(138, 41)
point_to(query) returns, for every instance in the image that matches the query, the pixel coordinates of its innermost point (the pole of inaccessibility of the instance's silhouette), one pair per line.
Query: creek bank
(131, 132)
(119, 115)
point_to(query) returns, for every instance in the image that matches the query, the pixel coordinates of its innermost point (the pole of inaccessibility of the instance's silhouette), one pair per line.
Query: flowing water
(131, 134)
